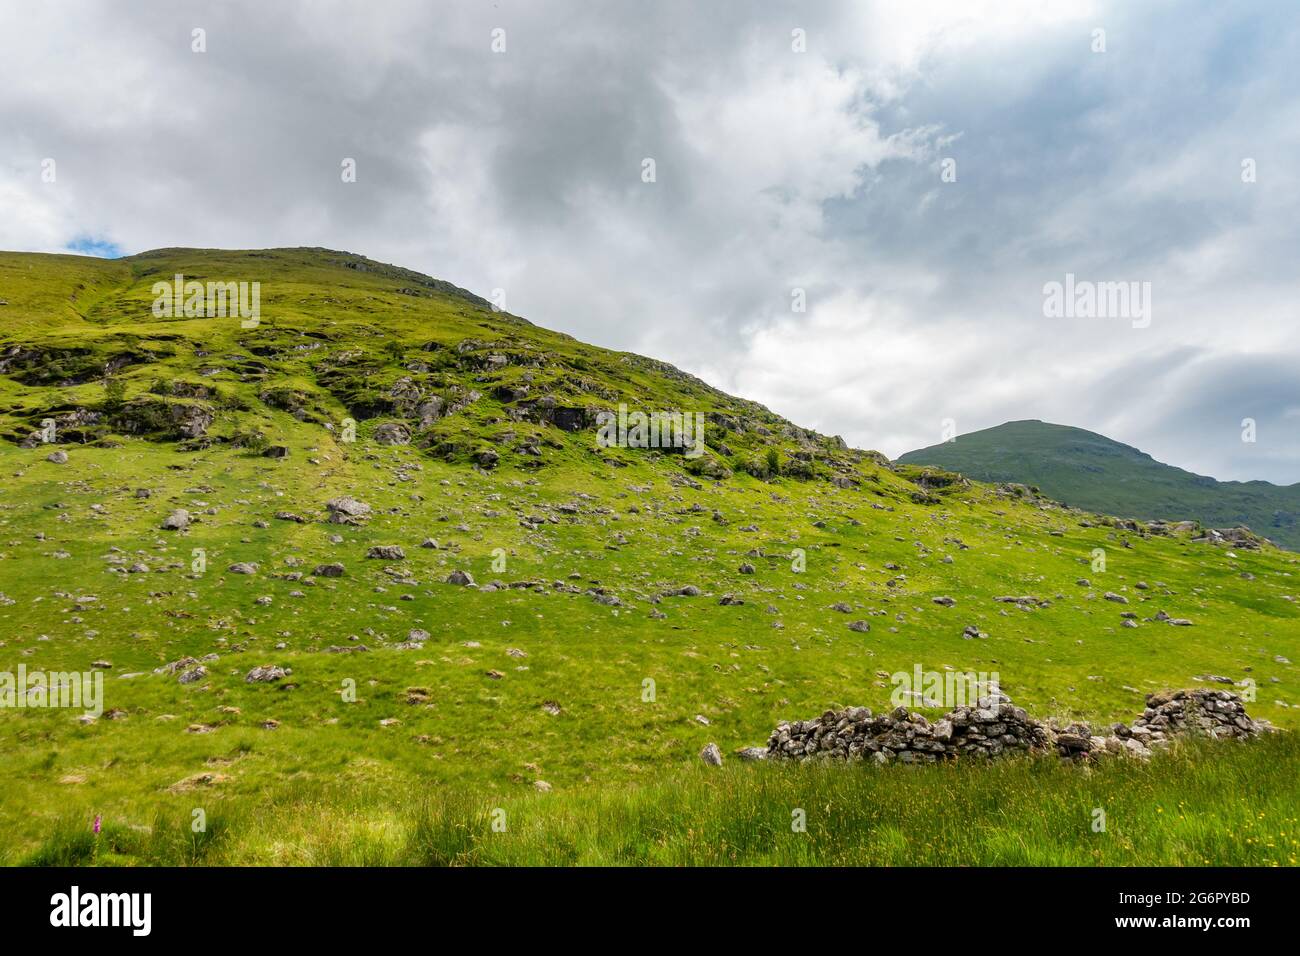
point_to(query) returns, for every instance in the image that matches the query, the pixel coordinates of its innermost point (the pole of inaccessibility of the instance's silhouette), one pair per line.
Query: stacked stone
(1212, 713)
(992, 727)
(995, 727)
(1198, 713)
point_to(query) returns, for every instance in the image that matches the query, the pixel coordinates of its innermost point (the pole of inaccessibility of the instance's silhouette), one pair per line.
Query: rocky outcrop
(995, 727)
(150, 416)
(1233, 537)
(77, 426)
(567, 418)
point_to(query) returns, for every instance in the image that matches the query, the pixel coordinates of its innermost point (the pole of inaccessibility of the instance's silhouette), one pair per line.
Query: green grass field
(395, 753)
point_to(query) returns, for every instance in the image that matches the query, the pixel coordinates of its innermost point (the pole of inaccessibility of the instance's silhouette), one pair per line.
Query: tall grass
(1204, 804)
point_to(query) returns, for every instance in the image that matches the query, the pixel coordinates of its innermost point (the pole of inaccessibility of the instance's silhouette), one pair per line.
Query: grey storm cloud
(776, 171)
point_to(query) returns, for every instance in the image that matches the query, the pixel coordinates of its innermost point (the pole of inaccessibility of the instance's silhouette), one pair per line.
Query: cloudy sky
(921, 170)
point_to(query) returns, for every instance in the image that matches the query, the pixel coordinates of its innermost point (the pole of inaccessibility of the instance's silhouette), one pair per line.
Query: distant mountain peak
(1092, 471)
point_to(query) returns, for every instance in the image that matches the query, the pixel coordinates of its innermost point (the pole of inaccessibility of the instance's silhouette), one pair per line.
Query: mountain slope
(340, 337)
(1091, 471)
(629, 605)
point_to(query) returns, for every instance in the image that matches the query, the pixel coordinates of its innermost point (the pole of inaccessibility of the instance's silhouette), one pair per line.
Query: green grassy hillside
(573, 668)
(1091, 471)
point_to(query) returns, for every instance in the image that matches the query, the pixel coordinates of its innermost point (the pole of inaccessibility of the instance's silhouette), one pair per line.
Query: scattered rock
(347, 510)
(265, 673)
(199, 781)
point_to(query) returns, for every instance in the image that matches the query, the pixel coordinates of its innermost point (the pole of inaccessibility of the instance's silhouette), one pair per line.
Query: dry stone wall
(995, 727)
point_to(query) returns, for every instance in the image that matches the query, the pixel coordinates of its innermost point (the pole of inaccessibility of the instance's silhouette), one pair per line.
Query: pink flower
(97, 819)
